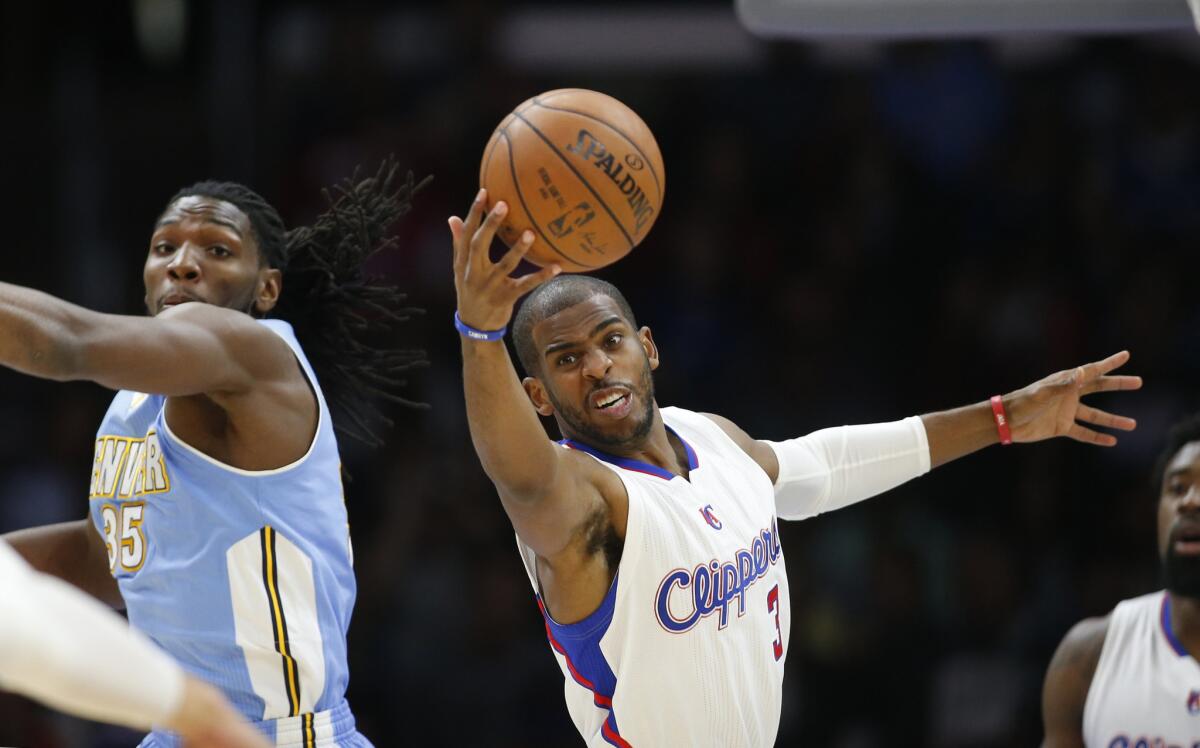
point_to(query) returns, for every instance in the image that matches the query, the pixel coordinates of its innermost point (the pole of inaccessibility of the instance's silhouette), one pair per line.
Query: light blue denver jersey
(243, 576)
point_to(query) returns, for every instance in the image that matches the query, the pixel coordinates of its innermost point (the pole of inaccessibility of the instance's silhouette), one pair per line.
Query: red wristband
(1001, 420)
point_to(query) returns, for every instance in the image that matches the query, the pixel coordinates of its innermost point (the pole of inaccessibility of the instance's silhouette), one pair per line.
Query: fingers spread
(456, 234)
(1087, 436)
(529, 282)
(1110, 363)
(481, 240)
(1103, 418)
(475, 214)
(1109, 384)
(513, 257)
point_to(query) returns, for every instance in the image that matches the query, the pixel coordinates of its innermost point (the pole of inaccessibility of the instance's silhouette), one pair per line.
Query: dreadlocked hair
(336, 310)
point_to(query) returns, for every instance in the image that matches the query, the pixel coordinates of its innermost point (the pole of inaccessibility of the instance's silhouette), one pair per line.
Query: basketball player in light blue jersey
(216, 509)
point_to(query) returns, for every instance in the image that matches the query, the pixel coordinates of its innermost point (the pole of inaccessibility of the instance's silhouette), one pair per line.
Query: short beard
(1181, 574)
(578, 426)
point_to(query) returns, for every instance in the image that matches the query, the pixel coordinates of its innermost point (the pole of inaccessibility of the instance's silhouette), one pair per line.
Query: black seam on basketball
(631, 141)
(512, 167)
(583, 181)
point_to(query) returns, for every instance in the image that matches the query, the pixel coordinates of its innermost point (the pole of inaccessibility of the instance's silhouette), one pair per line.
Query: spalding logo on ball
(582, 171)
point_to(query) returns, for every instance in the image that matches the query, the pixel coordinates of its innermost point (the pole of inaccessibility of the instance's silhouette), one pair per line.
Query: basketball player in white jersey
(650, 534)
(66, 650)
(1131, 678)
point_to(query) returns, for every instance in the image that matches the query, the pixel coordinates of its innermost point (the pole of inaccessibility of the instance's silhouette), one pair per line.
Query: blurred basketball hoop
(942, 18)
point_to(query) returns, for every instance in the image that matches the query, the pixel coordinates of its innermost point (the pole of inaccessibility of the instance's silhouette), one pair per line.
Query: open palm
(1051, 406)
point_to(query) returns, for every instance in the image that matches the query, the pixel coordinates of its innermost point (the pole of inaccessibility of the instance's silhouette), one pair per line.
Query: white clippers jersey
(688, 647)
(1146, 690)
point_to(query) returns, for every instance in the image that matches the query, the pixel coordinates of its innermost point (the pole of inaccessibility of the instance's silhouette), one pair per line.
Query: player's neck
(1185, 622)
(660, 448)
(665, 449)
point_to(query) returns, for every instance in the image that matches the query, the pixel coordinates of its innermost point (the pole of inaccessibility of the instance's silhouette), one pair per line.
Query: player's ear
(267, 289)
(648, 346)
(537, 395)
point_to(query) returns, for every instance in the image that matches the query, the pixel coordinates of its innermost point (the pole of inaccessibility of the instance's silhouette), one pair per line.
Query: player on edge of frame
(1131, 678)
(217, 517)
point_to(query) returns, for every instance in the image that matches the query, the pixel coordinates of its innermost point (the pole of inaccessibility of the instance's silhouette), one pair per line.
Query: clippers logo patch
(1193, 702)
(709, 517)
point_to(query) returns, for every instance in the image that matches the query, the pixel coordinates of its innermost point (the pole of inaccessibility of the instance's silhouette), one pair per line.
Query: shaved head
(549, 299)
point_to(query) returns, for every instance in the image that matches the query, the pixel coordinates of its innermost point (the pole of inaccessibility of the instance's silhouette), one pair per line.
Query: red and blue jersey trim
(637, 465)
(1164, 618)
(579, 645)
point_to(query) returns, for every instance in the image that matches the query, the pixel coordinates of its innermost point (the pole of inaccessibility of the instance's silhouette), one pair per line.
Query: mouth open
(612, 402)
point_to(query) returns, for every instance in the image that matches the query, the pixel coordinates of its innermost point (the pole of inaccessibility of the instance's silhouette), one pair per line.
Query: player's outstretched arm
(1064, 692)
(72, 551)
(546, 490)
(833, 468)
(63, 649)
(1047, 408)
(188, 349)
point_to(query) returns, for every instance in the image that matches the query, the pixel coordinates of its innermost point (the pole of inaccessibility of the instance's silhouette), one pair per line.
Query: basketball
(579, 169)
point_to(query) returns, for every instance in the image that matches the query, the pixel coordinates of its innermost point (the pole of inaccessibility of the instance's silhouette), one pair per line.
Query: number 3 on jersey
(773, 607)
(123, 536)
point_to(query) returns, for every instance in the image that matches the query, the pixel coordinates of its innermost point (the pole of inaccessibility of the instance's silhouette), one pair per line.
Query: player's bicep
(1068, 679)
(190, 349)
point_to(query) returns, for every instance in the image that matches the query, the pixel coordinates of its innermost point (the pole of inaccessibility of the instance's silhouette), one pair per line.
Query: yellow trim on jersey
(310, 735)
(270, 576)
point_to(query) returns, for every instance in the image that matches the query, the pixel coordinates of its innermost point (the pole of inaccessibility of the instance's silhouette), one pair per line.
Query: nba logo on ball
(1193, 702)
(579, 169)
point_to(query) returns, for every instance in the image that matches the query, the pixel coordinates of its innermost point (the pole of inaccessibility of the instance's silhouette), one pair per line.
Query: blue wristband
(476, 334)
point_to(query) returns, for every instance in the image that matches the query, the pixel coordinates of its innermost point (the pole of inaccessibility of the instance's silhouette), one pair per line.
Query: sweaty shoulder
(758, 451)
(1068, 679)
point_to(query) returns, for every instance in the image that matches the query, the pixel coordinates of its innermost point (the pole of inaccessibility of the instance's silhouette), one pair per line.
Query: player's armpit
(1068, 679)
(580, 490)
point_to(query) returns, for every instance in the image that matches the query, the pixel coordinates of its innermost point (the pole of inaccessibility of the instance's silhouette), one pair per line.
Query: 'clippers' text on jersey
(688, 646)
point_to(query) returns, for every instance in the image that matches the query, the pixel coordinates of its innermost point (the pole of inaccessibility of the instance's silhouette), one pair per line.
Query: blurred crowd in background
(850, 233)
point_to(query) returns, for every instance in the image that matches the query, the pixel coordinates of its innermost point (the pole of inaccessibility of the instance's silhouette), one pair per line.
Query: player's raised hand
(486, 293)
(1051, 407)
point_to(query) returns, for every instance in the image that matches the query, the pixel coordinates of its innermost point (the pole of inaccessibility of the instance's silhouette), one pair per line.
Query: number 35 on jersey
(124, 469)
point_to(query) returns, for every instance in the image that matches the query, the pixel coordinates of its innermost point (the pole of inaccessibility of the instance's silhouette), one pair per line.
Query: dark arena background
(854, 229)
